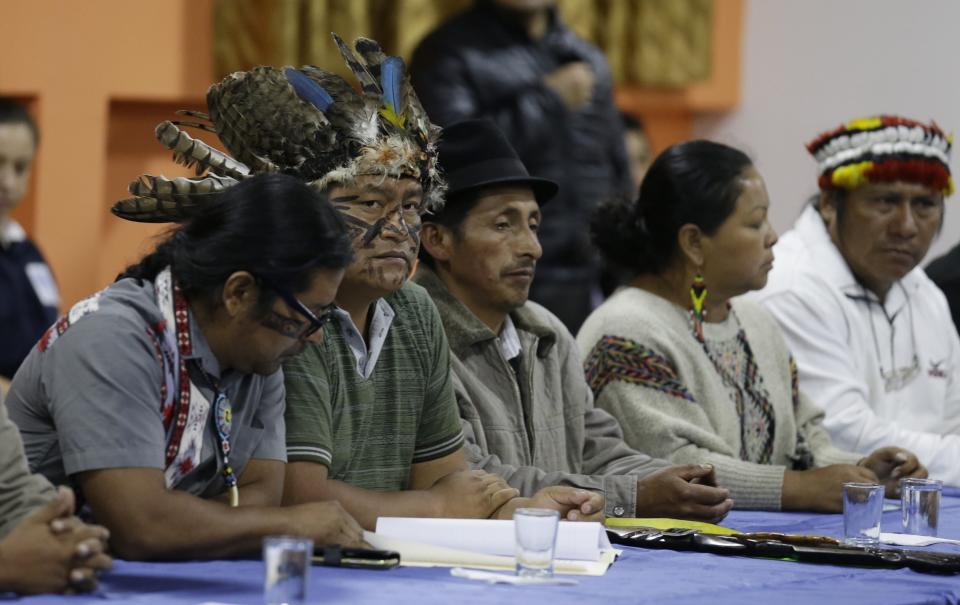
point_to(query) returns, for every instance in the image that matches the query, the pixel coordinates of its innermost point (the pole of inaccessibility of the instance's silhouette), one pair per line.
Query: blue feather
(391, 77)
(308, 90)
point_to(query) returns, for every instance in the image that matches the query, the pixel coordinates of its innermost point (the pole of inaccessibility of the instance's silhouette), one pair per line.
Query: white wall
(810, 65)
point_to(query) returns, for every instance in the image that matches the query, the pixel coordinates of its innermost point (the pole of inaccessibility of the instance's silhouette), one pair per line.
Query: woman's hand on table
(683, 492)
(821, 489)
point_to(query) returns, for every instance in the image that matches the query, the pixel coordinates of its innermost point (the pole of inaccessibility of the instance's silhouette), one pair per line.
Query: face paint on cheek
(408, 229)
(355, 227)
(372, 232)
(414, 232)
(399, 229)
(354, 232)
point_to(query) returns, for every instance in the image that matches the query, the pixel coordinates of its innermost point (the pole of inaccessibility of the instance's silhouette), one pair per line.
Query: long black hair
(273, 226)
(696, 182)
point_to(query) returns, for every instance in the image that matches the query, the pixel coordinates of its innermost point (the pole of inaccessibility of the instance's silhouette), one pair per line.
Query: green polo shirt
(369, 431)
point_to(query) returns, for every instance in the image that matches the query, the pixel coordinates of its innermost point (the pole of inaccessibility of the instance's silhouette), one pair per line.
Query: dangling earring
(698, 294)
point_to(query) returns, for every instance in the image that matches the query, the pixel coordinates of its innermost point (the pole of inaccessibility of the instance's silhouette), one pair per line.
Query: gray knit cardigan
(649, 370)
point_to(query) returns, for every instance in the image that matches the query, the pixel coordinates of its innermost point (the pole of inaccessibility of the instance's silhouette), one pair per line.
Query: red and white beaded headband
(883, 149)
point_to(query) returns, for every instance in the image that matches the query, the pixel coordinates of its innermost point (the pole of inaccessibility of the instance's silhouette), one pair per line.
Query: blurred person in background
(639, 154)
(515, 62)
(637, 143)
(945, 272)
(29, 298)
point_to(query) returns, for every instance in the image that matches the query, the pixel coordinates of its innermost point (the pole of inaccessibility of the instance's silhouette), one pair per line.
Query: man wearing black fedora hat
(525, 407)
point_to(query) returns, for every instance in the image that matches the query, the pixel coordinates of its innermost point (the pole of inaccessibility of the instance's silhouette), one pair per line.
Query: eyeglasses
(290, 327)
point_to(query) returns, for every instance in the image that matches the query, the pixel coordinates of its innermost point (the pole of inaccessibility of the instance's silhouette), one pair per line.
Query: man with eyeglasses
(160, 399)
(872, 335)
(308, 324)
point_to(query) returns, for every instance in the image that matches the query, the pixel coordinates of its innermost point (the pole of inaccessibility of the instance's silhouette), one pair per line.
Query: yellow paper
(666, 523)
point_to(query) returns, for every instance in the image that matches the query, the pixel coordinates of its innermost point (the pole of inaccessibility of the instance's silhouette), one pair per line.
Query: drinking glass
(536, 536)
(920, 505)
(286, 566)
(862, 508)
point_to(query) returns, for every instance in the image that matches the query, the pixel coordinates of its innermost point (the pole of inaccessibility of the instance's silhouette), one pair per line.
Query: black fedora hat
(474, 154)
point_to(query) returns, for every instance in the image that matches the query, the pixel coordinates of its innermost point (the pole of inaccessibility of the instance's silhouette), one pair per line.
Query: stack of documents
(582, 548)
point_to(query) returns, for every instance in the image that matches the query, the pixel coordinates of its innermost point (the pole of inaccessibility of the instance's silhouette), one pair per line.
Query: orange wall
(669, 113)
(99, 74)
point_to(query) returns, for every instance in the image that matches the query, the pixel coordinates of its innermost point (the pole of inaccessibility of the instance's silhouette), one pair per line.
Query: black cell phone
(358, 558)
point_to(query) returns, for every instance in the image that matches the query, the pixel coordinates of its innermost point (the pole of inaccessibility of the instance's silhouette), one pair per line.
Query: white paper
(493, 577)
(575, 540)
(419, 554)
(914, 540)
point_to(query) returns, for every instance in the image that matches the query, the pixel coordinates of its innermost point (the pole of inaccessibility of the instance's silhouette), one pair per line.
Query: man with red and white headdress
(873, 336)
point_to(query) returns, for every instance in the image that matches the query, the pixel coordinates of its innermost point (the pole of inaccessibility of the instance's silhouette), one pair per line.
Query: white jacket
(841, 338)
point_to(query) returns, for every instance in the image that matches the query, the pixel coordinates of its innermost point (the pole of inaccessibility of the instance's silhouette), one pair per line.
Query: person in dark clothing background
(551, 93)
(29, 300)
(637, 144)
(945, 272)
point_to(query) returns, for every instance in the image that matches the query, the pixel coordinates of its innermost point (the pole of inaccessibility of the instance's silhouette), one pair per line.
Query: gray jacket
(542, 429)
(20, 491)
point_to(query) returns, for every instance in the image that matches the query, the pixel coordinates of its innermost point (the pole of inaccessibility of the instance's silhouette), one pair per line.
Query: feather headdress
(306, 122)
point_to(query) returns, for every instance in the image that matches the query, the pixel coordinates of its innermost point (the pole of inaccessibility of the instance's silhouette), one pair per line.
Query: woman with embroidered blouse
(695, 374)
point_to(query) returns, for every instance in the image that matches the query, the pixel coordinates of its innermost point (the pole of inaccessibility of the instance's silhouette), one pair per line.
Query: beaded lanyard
(223, 411)
(223, 416)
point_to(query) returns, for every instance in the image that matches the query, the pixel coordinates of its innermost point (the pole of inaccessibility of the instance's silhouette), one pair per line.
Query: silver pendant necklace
(897, 378)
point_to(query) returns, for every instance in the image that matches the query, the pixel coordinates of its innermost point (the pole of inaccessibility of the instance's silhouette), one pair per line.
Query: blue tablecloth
(639, 576)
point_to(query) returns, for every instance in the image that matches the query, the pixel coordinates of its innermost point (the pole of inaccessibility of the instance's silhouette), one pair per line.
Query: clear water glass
(536, 537)
(862, 509)
(286, 567)
(920, 505)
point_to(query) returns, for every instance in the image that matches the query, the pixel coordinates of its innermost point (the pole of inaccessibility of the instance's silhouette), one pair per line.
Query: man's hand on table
(53, 551)
(471, 494)
(572, 503)
(891, 464)
(326, 523)
(683, 492)
(821, 489)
